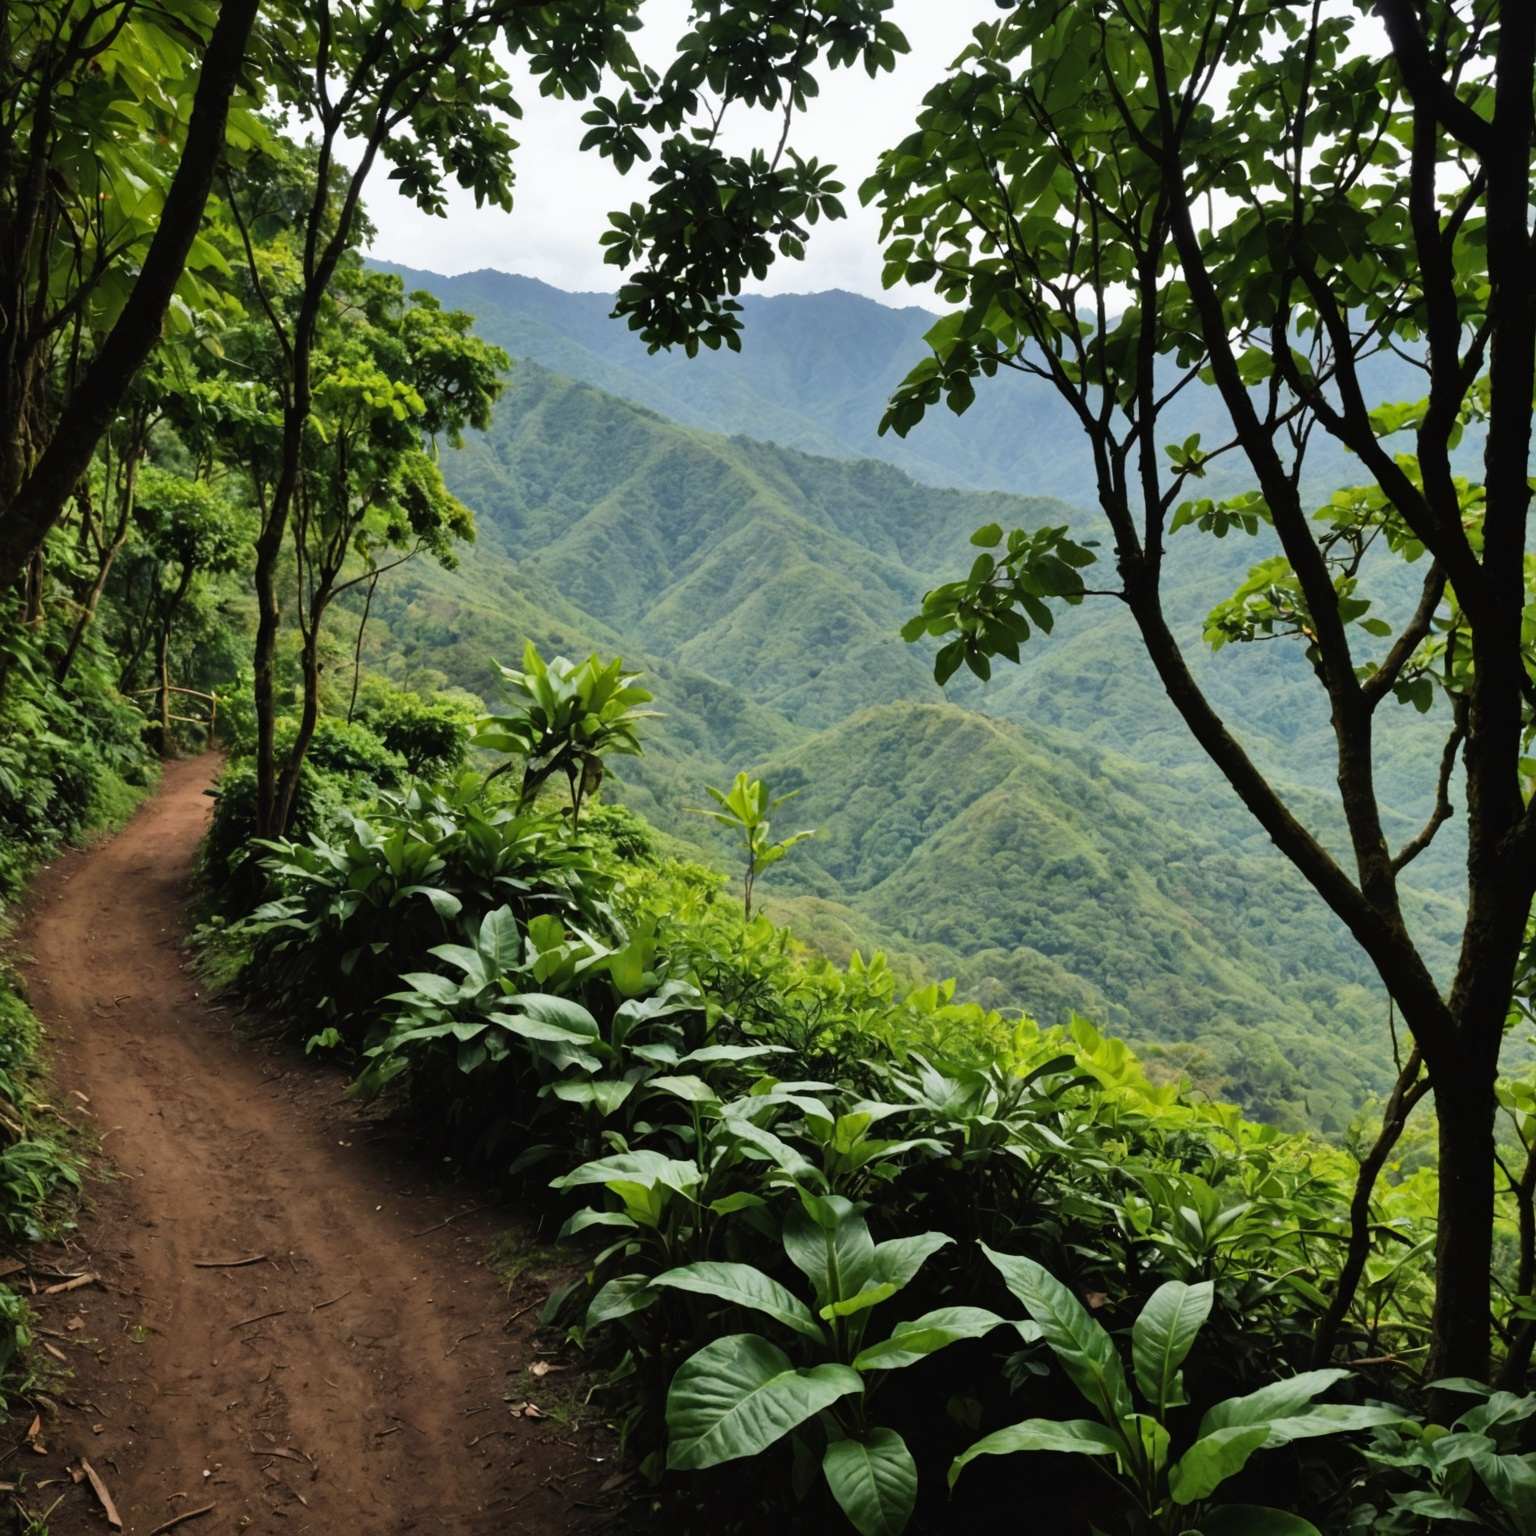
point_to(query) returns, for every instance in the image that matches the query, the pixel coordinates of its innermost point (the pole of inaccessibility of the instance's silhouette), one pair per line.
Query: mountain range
(734, 527)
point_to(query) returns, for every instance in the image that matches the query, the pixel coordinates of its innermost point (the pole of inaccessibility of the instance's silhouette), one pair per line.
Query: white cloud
(563, 196)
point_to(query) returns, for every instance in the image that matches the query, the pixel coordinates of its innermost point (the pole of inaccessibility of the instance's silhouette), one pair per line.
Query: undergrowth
(829, 1230)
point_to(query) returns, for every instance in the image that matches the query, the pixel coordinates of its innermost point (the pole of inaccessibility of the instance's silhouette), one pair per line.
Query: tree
(1133, 199)
(395, 378)
(185, 530)
(423, 88)
(99, 226)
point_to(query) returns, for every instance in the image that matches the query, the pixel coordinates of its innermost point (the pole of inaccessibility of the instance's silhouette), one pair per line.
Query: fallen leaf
(114, 1519)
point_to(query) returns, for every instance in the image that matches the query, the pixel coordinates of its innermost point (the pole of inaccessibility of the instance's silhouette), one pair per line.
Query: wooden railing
(211, 720)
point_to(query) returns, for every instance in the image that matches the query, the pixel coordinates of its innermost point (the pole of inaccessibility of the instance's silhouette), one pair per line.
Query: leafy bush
(711, 1102)
(429, 735)
(67, 758)
(786, 1178)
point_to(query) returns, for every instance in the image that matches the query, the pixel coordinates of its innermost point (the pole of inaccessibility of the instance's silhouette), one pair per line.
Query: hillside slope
(1036, 858)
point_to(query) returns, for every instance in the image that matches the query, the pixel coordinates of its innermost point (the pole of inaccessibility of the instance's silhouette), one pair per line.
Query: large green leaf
(1080, 1437)
(642, 1167)
(1211, 1460)
(874, 1481)
(1162, 1337)
(444, 903)
(837, 1254)
(744, 1286)
(605, 1095)
(1279, 1400)
(1512, 1481)
(622, 1296)
(925, 1335)
(1254, 1520)
(499, 940)
(898, 1259)
(739, 1395)
(1086, 1352)
(559, 1011)
(1329, 1419)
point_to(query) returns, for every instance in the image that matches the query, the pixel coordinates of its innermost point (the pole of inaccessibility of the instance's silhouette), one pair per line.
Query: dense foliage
(789, 1183)
(72, 762)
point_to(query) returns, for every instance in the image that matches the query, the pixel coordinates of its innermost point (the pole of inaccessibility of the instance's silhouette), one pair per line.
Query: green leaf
(744, 1286)
(741, 1394)
(499, 940)
(1080, 1437)
(1254, 1520)
(836, 1260)
(1279, 1400)
(621, 1297)
(925, 1335)
(871, 1296)
(444, 903)
(1163, 1335)
(874, 1481)
(1329, 1419)
(643, 1167)
(1087, 1354)
(556, 1010)
(1512, 1481)
(898, 1259)
(1211, 1460)
(988, 537)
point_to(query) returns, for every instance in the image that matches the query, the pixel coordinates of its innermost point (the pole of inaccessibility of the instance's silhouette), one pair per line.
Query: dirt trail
(382, 1395)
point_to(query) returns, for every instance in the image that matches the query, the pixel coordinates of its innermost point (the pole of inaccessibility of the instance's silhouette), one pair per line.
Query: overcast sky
(563, 197)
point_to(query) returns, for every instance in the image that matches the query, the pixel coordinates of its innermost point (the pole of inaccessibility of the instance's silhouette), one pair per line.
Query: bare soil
(368, 1374)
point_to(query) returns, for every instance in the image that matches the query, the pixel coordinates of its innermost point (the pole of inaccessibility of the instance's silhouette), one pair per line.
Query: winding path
(368, 1375)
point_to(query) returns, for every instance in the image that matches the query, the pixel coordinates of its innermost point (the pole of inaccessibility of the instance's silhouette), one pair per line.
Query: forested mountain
(791, 905)
(1080, 856)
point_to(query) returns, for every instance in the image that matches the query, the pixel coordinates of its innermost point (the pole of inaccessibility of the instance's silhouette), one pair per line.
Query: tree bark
(357, 655)
(1410, 1087)
(43, 495)
(1460, 1325)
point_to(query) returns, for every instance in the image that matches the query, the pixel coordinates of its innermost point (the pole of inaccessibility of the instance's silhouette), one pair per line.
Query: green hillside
(1074, 855)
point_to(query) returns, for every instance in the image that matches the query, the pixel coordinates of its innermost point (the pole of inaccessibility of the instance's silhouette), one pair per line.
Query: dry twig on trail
(72, 1284)
(175, 1520)
(320, 1306)
(255, 1258)
(114, 1519)
(448, 1219)
(260, 1317)
(277, 1450)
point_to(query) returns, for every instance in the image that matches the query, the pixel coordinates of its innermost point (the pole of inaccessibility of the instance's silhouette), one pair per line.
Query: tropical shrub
(1167, 1492)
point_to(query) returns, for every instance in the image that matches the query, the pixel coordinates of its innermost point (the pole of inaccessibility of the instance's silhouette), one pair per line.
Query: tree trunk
(1465, 1106)
(165, 688)
(309, 715)
(88, 608)
(357, 655)
(1406, 1093)
(42, 497)
(1518, 1361)
(264, 679)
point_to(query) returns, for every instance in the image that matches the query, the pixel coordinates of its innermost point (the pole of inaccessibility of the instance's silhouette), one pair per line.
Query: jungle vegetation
(867, 1242)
